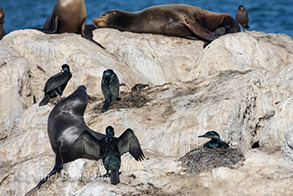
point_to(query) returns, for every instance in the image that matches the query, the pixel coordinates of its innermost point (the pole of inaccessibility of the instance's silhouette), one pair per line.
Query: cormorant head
(241, 7)
(211, 134)
(110, 131)
(107, 74)
(65, 67)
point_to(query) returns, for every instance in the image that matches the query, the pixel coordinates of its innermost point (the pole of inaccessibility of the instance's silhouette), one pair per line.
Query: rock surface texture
(241, 85)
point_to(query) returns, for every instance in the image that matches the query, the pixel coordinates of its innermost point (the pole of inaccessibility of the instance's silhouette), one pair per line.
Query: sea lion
(65, 126)
(174, 20)
(110, 88)
(110, 149)
(2, 31)
(242, 17)
(215, 140)
(68, 16)
(56, 84)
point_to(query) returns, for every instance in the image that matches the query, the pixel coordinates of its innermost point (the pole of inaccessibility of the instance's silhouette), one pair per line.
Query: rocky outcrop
(287, 145)
(240, 85)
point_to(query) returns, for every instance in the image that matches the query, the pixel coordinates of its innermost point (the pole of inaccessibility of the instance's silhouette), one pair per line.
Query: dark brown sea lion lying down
(173, 20)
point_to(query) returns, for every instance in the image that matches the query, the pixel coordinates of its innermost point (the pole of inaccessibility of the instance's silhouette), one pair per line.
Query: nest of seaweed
(206, 159)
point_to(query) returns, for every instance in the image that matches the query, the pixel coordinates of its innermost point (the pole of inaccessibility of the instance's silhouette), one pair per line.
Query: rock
(15, 92)
(161, 59)
(240, 85)
(287, 145)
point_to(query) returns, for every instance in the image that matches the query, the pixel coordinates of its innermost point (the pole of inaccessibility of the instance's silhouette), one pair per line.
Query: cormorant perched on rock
(110, 88)
(56, 84)
(2, 31)
(215, 140)
(110, 149)
(242, 17)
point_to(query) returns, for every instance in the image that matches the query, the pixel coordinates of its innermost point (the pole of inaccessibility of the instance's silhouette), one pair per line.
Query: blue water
(270, 16)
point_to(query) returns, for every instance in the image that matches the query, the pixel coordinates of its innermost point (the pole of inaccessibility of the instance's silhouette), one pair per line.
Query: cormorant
(56, 84)
(242, 17)
(215, 140)
(110, 149)
(110, 88)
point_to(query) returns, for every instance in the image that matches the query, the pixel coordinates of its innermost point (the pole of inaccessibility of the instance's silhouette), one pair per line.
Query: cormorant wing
(114, 80)
(128, 142)
(85, 146)
(224, 144)
(56, 81)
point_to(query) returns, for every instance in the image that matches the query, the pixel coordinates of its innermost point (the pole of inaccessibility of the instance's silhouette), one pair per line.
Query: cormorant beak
(205, 136)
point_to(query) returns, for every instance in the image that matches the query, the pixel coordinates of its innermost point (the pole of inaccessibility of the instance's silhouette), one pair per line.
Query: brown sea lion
(68, 16)
(2, 31)
(173, 20)
(242, 17)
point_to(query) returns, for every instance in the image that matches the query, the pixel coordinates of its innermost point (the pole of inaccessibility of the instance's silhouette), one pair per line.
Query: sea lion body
(2, 31)
(71, 138)
(174, 20)
(71, 15)
(66, 122)
(66, 126)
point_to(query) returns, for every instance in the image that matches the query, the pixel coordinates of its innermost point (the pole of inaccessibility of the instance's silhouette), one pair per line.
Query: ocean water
(270, 16)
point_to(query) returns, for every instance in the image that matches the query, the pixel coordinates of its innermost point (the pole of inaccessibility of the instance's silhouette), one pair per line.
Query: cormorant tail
(106, 106)
(45, 100)
(115, 177)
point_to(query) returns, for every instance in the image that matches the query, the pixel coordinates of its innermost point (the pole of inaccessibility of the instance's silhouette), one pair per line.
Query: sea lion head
(101, 21)
(105, 19)
(114, 19)
(75, 104)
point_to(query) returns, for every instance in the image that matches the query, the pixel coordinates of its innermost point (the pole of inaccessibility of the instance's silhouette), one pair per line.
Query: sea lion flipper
(85, 146)
(128, 142)
(84, 33)
(199, 31)
(55, 24)
(57, 168)
(49, 31)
